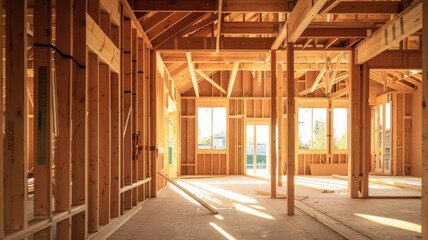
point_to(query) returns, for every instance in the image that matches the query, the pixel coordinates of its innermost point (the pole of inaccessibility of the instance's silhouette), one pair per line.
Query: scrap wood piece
(206, 205)
(279, 195)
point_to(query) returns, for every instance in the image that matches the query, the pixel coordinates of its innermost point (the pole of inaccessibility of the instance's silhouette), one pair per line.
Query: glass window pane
(387, 136)
(250, 147)
(319, 128)
(305, 129)
(219, 128)
(262, 146)
(204, 128)
(170, 140)
(340, 128)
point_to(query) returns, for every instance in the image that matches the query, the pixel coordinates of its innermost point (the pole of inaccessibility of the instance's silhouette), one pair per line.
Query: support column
(359, 120)
(42, 114)
(15, 151)
(104, 136)
(291, 118)
(1, 124)
(273, 108)
(115, 144)
(79, 141)
(424, 212)
(280, 124)
(153, 141)
(63, 72)
(93, 142)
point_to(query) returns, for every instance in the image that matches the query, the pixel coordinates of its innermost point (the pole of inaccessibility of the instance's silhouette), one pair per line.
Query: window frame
(312, 129)
(208, 103)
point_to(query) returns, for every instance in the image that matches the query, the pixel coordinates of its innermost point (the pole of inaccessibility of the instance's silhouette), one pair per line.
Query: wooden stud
(219, 26)
(127, 111)
(15, 152)
(359, 130)
(42, 108)
(93, 144)
(104, 137)
(424, 202)
(63, 70)
(79, 141)
(280, 93)
(273, 110)
(140, 117)
(153, 136)
(2, 162)
(134, 48)
(115, 145)
(291, 128)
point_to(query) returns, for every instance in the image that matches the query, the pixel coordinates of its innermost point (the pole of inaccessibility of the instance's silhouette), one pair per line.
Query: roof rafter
(211, 81)
(192, 73)
(232, 78)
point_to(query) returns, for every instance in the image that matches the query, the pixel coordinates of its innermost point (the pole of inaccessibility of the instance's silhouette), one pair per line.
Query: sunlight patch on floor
(245, 209)
(392, 222)
(220, 230)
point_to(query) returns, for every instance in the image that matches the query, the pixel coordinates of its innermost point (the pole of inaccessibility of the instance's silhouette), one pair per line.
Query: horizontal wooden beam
(208, 44)
(394, 59)
(401, 27)
(99, 43)
(36, 225)
(275, 6)
(210, 6)
(364, 7)
(244, 28)
(265, 66)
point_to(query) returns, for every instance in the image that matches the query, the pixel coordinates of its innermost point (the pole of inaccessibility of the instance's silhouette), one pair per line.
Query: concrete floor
(247, 215)
(243, 214)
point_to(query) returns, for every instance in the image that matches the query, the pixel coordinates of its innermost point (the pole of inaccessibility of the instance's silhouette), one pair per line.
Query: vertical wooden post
(134, 135)
(42, 114)
(93, 143)
(140, 116)
(63, 147)
(330, 144)
(273, 109)
(127, 111)
(1, 132)
(115, 144)
(280, 124)
(152, 147)
(79, 139)
(291, 119)
(104, 143)
(15, 152)
(354, 121)
(359, 144)
(365, 132)
(424, 212)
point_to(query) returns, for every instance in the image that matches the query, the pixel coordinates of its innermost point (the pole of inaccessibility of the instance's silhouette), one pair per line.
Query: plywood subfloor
(375, 218)
(243, 214)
